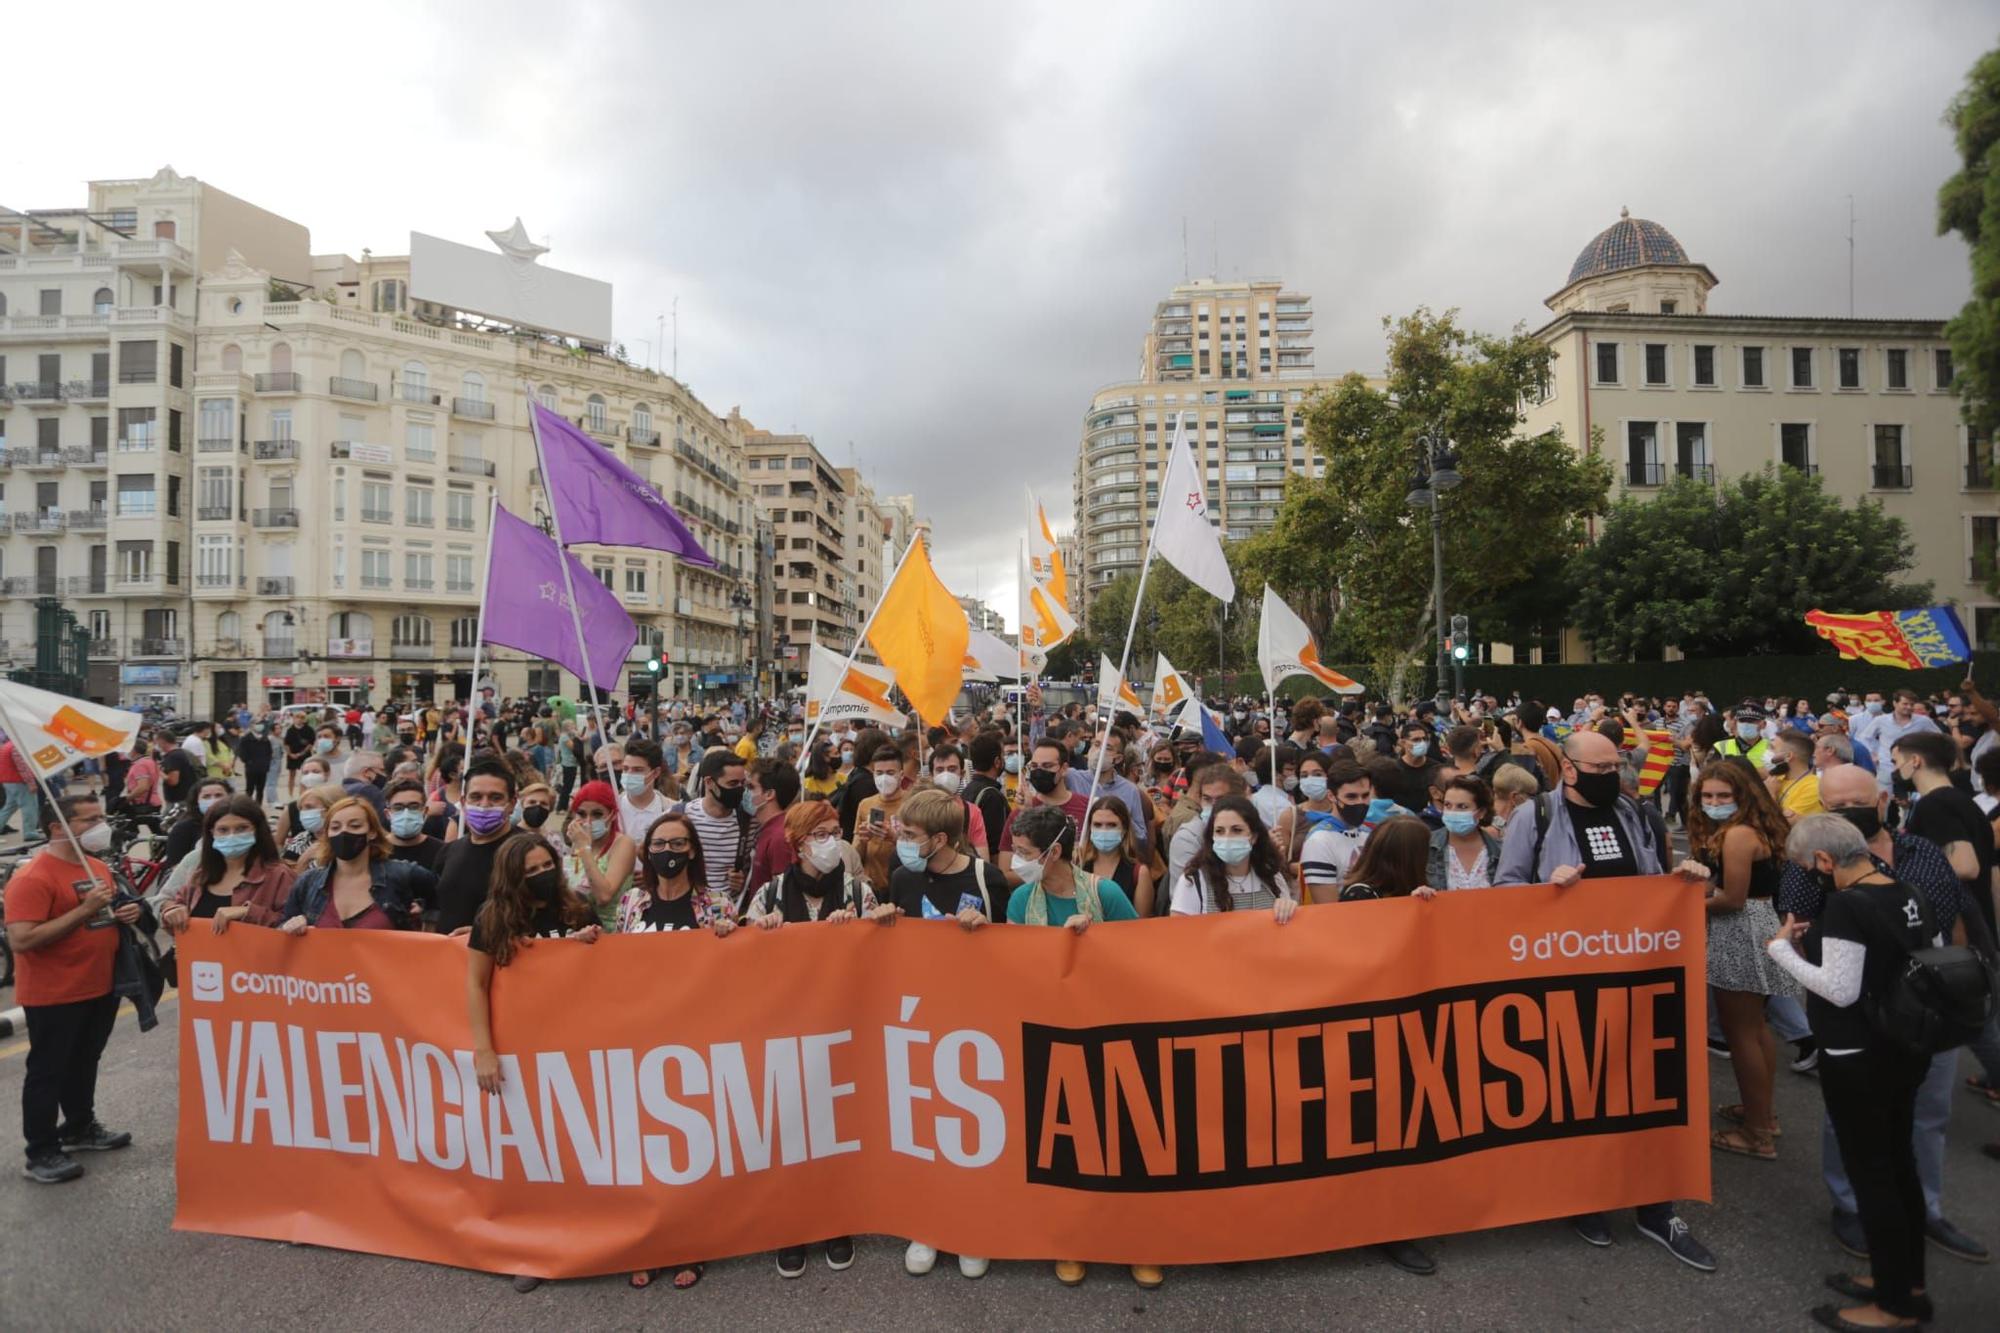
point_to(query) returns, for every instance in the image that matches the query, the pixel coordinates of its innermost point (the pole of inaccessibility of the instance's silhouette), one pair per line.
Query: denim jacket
(393, 884)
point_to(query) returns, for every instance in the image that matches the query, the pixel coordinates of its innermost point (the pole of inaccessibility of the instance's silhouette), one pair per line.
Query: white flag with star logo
(1182, 534)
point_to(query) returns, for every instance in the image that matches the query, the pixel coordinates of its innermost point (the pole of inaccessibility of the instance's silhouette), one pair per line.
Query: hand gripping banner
(1174, 1091)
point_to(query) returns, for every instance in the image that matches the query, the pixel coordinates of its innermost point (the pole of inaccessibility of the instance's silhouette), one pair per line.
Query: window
(136, 495)
(472, 387)
(339, 565)
(339, 499)
(1979, 470)
(801, 464)
(1795, 445)
(1691, 450)
(546, 396)
(642, 420)
(52, 300)
(388, 296)
(176, 364)
(1656, 363)
(1802, 367)
(1704, 365)
(416, 384)
(135, 562)
(1670, 307)
(458, 575)
(374, 570)
(1892, 470)
(595, 414)
(138, 362)
(100, 302)
(136, 429)
(410, 632)
(604, 574)
(1607, 363)
(1642, 453)
(419, 570)
(1983, 563)
(211, 556)
(377, 502)
(419, 442)
(215, 420)
(1753, 367)
(1896, 368)
(635, 583)
(1849, 362)
(417, 506)
(458, 510)
(217, 495)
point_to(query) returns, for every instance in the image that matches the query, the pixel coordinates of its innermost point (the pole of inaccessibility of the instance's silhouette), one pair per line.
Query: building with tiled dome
(1666, 387)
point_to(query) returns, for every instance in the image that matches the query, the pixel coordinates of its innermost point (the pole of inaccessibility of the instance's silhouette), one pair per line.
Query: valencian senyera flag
(1928, 637)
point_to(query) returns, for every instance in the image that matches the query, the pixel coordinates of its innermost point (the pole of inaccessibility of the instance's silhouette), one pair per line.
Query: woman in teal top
(1056, 892)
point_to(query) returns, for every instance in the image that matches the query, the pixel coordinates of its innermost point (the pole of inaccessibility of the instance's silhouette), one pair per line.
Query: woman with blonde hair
(354, 882)
(312, 805)
(1111, 852)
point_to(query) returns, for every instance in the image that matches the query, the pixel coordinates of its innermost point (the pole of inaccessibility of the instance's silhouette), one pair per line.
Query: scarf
(1087, 902)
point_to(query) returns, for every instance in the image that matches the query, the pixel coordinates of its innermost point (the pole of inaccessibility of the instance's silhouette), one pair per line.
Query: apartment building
(810, 510)
(295, 502)
(1681, 391)
(1235, 359)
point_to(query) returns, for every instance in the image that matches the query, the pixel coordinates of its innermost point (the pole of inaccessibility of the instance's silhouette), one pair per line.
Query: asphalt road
(100, 1254)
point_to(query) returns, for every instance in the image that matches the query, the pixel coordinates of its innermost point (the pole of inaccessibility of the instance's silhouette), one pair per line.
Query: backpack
(1946, 994)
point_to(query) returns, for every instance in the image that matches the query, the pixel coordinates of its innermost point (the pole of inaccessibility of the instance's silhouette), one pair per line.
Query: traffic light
(1461, 638)
(658, 658)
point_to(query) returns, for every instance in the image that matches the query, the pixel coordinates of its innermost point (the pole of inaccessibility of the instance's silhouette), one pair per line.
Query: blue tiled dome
(1627, 243)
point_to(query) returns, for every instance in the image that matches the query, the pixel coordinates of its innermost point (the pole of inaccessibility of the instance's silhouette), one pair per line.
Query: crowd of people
(1828, 844)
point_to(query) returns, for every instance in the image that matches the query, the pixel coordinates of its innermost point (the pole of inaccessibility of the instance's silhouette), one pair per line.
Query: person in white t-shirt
(640, 800)
(1237, 869)
(1331, 848)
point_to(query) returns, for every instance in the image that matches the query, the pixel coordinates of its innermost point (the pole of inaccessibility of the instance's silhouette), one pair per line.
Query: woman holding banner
(1237, 868)
(528, 901)
(239, 877)
(354, 883)
(672, 891)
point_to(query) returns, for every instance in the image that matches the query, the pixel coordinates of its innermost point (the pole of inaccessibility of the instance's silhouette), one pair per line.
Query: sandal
(1733, 1113)
(692, 1272)
(1744, 1142)
(641, 1279)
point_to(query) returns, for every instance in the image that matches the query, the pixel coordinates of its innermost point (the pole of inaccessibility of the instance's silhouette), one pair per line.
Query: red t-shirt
(10, 768)
(78, 966)
(771, 856)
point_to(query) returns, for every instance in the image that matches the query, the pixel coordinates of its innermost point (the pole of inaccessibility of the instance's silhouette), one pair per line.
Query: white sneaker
(919, 1259)
(971, 1267)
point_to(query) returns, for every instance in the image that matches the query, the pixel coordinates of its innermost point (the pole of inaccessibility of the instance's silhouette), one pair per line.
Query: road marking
(124, 1008)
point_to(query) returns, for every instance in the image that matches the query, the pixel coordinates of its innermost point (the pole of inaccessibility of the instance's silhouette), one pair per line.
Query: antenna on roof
(1850, 256)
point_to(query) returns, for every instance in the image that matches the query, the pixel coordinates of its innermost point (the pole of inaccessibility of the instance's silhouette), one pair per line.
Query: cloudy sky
(925, 233)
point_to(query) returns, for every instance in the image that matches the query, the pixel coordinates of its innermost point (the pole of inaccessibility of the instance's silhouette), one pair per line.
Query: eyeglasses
(673, 845)
(1608, 766)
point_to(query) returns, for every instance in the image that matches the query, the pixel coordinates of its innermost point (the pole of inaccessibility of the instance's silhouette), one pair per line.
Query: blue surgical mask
(1107, 839)
(1312, 787)
(310, 820)
(598, 828)
(235, 844)
(406, 823)
(1460, 822)
(1418, 749)
(1013, 763)
(911, 854)
(207, 803)
(1207, 812)
(1721, 814)
(1232, 851)
(633, 783)
(324, 745)
(1875, 706)
(1749, 732)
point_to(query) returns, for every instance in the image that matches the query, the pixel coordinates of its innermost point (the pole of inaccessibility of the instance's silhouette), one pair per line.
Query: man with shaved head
(1858, 797)
(1586, 829)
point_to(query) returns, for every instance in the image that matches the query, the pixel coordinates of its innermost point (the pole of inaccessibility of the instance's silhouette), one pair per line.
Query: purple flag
(599, 500)
(526, 607)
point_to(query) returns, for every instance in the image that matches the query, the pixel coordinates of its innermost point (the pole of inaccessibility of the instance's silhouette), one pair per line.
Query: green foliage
(1969, 204)
(1179, 619)
(1732, 570)
(1353, 559)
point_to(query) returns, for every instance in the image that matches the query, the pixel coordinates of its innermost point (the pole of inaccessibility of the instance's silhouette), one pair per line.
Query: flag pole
(1021, 604)
(569, 582)
(860, 638)
(46, 793)
(479, 639)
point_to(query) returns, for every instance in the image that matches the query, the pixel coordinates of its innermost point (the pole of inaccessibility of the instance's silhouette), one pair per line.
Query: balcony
(273, 451)
(275, 585)
(412, 652)
(419, 393)
(50, 520)
(87, 520)
(88, 458)
(211, 444)
(420, 584)
(37, 391)
(1892, 477)
(471, 467)
(377, 516)
(88, 391)
(1810, 469)
(104, 648)
(215, 513)
(91, 585)
(274, 518)
(150, 376)
(650, 438)
(138, 444)
(43, 460)
(159, 647)
(128, 585)
(218, 581)
(1979, 475)
(458, 523)
(366, 391)
(476, 409)
(1702, 472)
(284, 648)
(30, 585)
(1645, 474)
(278, 381)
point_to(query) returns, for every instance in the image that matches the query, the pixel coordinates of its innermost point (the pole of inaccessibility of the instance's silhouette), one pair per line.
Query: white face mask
(1028, 869)
(96, 838)
(823, 853)
(887, 784)
(947, 782)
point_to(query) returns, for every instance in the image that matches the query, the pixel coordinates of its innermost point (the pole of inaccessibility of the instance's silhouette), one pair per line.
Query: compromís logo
(205, 980)
(291, 989)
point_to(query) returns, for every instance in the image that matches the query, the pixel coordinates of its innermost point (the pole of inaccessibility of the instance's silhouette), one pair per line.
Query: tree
(1969, 204)
(1732, 570)
(1179, 619)
(1353, 559)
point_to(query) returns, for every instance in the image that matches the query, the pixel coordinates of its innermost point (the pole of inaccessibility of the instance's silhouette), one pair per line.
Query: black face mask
(347, 846)
(729, 798)
(1824, 879)
(1042, 780)
(1598, 790)
(534, 816)
(1866, 819)
(1353, 815)
(543, 884)
(1902, 788)
(667, 865)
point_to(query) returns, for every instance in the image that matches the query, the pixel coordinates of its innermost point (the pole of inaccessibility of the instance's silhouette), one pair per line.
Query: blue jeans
(1927, 1138)
(1986, 1049)
(22, 796)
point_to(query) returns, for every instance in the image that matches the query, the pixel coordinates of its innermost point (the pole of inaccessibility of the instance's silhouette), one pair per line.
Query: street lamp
(1437, 474)
(742, 601)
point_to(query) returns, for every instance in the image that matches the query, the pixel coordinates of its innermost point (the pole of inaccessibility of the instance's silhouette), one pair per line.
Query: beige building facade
(1679, 390)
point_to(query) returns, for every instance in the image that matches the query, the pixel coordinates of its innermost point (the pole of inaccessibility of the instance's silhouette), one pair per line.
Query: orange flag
(921, 634)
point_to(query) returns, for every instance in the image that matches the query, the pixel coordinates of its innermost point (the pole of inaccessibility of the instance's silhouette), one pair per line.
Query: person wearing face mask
(770, 789)
(1746, 738)
(600, 858)
(721, 819)
(186, 831)
(1330, 849)
(404, 804)
(239, 876)
(986, 788)
(823, 773)
(1316, 805)
(326, 742)
(309, 820)
(875, 820)
(1048, 782)
(670, 890)
(1110, 853)
(529, 903)
(466, 869)
(947, 774)
(1417, 770)
(824, 881)
(442, 813)
(1463, 855)
(859, 784)
(534, 807)
(60, 914)
(1112, 782)
(352, 884)
(1587, 830)
(640, 800)
(1883, 729)
(254, 751)
(1236, 868)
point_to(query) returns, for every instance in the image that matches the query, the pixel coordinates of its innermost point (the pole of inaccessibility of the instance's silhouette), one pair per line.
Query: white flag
(1044, 620)
(1170, 689)
(1285, 647)
(53, 731)
(1045, 560)
(1113, 694)
(858, 692)
(988, 657)
(1182, 534)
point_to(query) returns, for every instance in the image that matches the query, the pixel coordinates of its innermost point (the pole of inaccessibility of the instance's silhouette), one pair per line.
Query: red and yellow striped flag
(1659, 758)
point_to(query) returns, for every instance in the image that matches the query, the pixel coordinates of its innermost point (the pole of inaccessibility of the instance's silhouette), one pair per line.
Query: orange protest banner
(1172, 1091)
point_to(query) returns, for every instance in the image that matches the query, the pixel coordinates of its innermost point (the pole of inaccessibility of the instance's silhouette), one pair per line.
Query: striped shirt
(720, 839)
